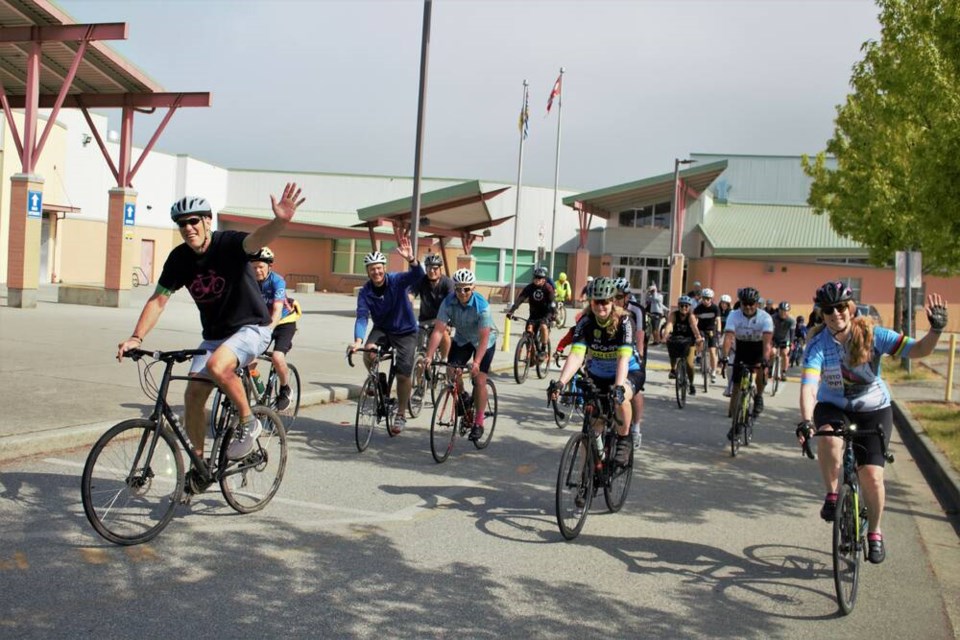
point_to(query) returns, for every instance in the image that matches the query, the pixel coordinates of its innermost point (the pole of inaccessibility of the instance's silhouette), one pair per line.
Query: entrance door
(45, 250)
(146, 258)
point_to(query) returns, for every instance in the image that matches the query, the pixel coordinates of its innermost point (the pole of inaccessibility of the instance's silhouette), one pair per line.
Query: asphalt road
(388, 543)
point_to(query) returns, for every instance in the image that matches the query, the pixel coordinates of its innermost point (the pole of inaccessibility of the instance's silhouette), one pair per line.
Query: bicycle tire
(489, 416)
(775, 370)
(288, 415)
(419, 387)
(543, 366)
(736, 427)
(560, 318)
(748, 419)
(567, 407)
(521, 359)
(846, 551)
(250, 483)
(617, 487)
(574, 479)
(438, 379)
(681, 384)
(367, 417)
(125, 503)
(705, 368)
(444, 425)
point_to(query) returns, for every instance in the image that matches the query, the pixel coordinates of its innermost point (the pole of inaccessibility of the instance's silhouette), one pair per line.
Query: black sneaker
(829, 509)
(283, 399)
(693, 390)
(475, 433)
(876, 553)
(672, 375)
(623, 450)
(758, 406)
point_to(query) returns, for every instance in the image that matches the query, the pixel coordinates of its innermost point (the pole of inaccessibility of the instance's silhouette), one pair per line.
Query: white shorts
(247, 343)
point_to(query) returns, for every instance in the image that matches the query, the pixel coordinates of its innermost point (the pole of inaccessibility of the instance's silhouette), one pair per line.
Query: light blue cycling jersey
(860, 388)
(274, 289)
(468, 319)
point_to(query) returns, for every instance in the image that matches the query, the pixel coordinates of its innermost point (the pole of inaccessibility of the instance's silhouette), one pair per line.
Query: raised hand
(404, 248)
(936, 312)
(284, 208)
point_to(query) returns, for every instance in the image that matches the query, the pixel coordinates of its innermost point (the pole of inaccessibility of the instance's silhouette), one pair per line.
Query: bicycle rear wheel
(521, 359)
(681, 384)
(419, 388)
(443, 425)
(128, 494)
(489, 416)
(366, 413)
(250, 483)
(574, 486)
(543, 365)
(618, 482)
(846, 554)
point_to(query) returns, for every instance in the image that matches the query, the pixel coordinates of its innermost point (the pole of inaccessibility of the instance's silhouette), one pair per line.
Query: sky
(332, 86)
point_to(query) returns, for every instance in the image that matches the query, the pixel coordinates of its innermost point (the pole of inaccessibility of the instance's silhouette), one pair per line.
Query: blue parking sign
(34, 204)
(129, 214)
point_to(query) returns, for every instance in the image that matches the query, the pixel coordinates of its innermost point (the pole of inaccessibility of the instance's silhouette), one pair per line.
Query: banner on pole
(916, 269)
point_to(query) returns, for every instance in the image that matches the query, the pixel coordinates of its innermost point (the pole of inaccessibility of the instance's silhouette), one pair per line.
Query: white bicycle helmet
(264, 255)
(374, 257)
(464, 276)
(190, 205)
(706, 293)
(622, 285)
(726, 298)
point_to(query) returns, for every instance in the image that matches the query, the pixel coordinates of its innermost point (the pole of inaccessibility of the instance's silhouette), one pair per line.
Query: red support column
(121, 249)
(23, 248)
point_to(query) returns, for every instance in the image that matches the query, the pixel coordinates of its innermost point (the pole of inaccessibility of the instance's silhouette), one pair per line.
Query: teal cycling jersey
(468, 319)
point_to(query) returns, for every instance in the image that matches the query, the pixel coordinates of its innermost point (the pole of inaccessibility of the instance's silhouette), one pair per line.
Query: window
(651, 216)
(488, 264)
(348, 255)
(526, 260)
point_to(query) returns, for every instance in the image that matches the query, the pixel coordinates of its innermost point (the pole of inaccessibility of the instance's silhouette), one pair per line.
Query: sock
(831, 497)
(874, 535)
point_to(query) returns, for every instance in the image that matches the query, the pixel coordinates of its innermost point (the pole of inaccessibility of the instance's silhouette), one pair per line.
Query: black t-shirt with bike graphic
(221, 283)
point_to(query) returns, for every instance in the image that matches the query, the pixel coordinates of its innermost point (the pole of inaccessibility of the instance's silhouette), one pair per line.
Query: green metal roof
(757, 229)
(335, 219)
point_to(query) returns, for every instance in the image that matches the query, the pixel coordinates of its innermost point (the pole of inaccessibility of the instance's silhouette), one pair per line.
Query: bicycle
(796, 353)
(530, 351)
(424, 377)
(681, 383)
(265, 393)
(572, 403)
(374, 404)
(705, 365)
(742, 405)
(586, 463)
(560, 315)
(775, 373)
(133, 477)
(453, 414)
(850, 547)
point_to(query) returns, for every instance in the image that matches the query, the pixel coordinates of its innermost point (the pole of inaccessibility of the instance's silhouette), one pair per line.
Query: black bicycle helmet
(433, 260)
(748, 295)
(832, 293)
(540, 272)
(784, 306)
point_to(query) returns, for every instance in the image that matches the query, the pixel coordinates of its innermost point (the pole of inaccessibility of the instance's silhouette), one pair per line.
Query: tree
(896, 184)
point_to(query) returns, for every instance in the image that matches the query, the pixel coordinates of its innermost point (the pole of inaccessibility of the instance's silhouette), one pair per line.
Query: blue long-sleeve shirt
(392, 312)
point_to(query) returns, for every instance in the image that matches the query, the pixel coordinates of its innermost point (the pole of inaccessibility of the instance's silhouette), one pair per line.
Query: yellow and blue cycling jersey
(605, 349)
(860, 388)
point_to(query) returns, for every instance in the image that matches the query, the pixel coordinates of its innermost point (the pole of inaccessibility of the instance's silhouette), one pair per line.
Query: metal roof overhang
(446, 212)
(612, 200)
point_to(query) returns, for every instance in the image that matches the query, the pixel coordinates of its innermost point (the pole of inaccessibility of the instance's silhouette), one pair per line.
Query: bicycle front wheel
(574, 485)
(560, 318)
(443, 425)
(521, 359)
(618, 484)
(681, 384)
(846, 552)
(129, 493)
(705, 368)
(543, 361)
(250, 483)
(776, 376)
(489, 416)
(736, 429)
(366, 413)
(419, 387)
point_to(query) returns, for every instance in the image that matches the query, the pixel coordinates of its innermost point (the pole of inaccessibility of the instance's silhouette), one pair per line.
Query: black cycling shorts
(866, 447)
(634, 378)
(679, 347)
(283, 337)
(404, 348)
(461, 354)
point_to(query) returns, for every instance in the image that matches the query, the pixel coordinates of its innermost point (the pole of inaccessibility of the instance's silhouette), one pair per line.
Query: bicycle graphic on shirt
(207, 287)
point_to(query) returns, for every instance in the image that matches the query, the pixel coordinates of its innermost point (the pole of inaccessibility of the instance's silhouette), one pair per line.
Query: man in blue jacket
(384, 299)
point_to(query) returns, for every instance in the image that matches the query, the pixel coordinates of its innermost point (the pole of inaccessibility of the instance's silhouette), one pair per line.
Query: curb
(54, 440)
(936, 469)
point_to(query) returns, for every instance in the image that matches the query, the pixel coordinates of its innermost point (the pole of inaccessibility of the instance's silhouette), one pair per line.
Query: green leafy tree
(896, 182)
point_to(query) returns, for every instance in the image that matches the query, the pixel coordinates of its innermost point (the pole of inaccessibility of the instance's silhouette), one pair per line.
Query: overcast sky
(325, 85)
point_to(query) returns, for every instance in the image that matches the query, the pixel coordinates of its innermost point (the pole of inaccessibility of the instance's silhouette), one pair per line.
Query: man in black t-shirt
(432, 290)
(708, 322)
(540, 295)
(215, 269)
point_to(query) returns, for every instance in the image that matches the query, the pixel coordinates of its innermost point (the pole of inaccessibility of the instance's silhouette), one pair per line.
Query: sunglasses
(603, 302)
(837, 308)
(684, 306)
(464, 289)
(434, 267)
(748, 304)
(189, 221)
(621, 297)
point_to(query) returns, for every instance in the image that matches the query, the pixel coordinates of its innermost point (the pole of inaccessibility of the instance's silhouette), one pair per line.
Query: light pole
(676, 236)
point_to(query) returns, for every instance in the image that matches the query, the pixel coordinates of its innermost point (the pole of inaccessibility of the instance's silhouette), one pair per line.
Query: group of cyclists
(243, 307)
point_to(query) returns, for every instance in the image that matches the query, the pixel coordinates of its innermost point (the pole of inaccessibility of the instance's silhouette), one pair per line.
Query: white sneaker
(243, 445)
(713, 378)
(399, 422)
(637, 437)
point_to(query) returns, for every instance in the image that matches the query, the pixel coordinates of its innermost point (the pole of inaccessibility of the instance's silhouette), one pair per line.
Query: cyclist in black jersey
(606, 334)
(432, 290)
(708, 322)
(682, 335)
(540, 295)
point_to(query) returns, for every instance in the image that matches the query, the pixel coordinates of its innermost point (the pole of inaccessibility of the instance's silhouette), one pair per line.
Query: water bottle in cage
(384, 388)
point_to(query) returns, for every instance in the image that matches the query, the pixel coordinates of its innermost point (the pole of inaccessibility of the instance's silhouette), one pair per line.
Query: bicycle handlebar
(848, 432)
(380, 351)
(179, 355)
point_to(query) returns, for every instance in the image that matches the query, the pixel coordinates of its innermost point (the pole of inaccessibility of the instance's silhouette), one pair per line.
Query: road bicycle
(850, 547)
(424, 378)
(705, 369)
(530, 352)
(263, 392)
(681, 382)
(560, 315)
(375, 406)
(742, 407)
(453, 414)
(796, 352)
(566, 406)
(587, 466)
(134, 478)
(776, 370)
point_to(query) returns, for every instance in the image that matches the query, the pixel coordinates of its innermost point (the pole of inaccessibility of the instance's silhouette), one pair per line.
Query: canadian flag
(555, 93)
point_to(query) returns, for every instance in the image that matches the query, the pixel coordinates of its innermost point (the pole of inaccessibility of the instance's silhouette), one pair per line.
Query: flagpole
(418, 153)
(516, 217)
(556, 178)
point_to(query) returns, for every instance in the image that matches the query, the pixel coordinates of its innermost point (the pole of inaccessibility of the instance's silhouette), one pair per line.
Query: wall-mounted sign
(34, 204)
